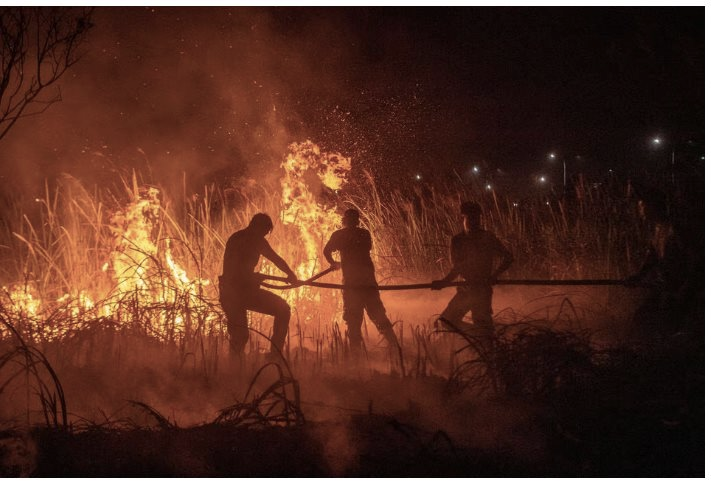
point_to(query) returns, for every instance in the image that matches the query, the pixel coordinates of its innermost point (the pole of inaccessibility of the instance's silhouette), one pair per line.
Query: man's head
(261, 223)
(351, 218)
(471, 212)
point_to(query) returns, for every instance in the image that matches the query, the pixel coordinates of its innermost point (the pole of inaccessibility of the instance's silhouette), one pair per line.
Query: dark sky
(215, 91)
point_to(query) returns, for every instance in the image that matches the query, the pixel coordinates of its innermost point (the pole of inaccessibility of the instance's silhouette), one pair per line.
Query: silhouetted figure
(665, 273)
(472, 253)
(354, 244)
(240, 286)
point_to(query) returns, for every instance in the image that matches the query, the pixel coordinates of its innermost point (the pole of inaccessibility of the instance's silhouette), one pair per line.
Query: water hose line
(422, 286)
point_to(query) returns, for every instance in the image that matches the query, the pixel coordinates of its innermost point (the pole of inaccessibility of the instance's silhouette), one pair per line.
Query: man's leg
(268, 303)
(236, 326)
(376, 312)
(353, 316)
(236, 317)
(481, 315)
(451, 317)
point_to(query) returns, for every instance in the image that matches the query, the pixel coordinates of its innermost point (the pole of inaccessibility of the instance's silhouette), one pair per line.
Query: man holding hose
(361, 289)
(240, 285)
(472, 253)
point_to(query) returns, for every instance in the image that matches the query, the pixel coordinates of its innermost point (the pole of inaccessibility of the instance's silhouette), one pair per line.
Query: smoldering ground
(157, 409)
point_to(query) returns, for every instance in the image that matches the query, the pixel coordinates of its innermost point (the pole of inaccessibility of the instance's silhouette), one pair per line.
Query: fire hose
(420, 286)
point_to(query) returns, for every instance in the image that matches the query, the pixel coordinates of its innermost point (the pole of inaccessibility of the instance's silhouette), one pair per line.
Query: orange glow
(310, 175)
(142, 282)
(151, 289)
(306, 172)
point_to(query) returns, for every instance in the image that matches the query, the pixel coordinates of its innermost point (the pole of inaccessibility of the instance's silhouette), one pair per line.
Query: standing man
(354, 244)
(472, 254)
(239, 285)
(667, 274)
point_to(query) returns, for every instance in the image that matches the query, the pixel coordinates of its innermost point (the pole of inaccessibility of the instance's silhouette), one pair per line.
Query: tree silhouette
(37, 46)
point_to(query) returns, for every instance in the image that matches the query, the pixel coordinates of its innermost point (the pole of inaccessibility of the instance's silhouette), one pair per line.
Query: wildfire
(141, 284)
(306, 172)
(151, 290)
(140, 273)
(135, 248)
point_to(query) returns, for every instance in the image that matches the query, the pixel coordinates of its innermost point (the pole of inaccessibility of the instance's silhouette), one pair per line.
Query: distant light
(656, 141)
(475, 169)
(551, 155)
(702, 158)
(548, 203)
(418, 177)
(515, 205)
(542, 179)
(488, 187)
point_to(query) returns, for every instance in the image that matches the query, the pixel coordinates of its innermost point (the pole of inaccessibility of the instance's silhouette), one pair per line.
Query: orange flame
(306, 172)
(147, 287)
(151, 287)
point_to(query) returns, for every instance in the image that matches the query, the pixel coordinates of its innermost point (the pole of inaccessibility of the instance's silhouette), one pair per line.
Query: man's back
(473, 254)
(242, 253)
(354, 245)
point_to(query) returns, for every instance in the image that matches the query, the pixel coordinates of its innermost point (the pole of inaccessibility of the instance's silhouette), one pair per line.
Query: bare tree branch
(37, 46)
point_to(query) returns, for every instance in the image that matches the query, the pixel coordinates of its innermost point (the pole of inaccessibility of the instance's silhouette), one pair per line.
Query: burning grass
(110, 295)
(138, 259)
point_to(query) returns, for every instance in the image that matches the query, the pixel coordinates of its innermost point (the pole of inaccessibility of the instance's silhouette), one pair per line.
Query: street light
(657, 141)
(552, 156)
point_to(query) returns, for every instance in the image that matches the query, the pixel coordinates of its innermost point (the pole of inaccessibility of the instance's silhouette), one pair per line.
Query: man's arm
(278, 261)
(328, 252)
(453, 272)
(506, 259)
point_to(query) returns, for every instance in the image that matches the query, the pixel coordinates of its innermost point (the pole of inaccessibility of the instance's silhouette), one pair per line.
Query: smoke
(221, 92)
(167, 91)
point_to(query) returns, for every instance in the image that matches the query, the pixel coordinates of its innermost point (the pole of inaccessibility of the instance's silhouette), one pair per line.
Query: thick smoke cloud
(204, 91)
(212, 91)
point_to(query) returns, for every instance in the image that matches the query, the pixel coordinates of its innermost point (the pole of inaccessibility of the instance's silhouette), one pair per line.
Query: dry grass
(56, 251)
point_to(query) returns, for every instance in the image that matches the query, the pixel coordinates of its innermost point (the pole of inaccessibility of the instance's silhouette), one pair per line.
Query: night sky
(222, 91)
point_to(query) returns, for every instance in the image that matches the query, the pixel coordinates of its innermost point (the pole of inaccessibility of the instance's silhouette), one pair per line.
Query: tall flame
(141, 283)
(134, 244)
(307, 171)
(150, 286)
(138, 267)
